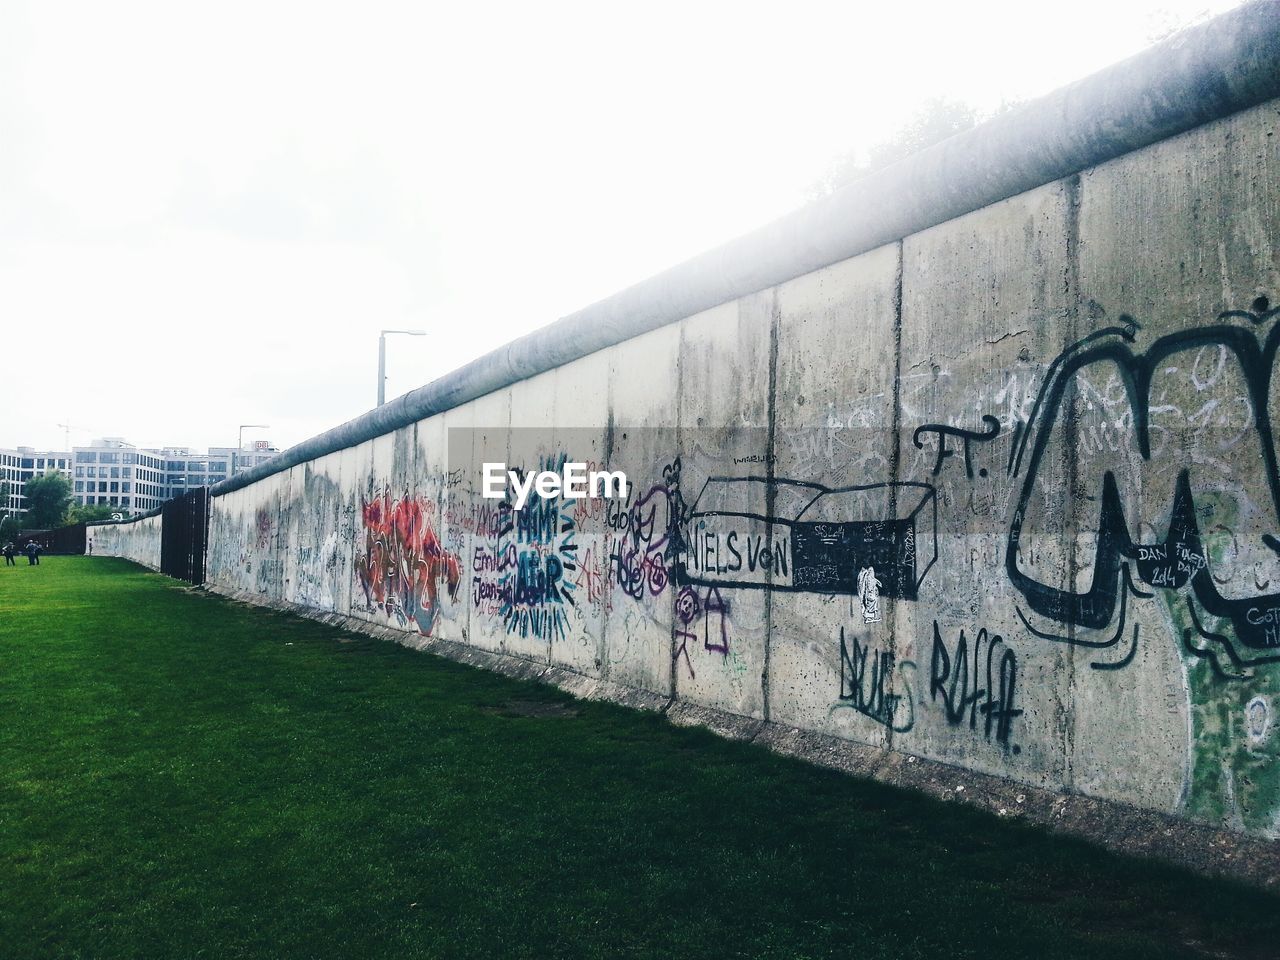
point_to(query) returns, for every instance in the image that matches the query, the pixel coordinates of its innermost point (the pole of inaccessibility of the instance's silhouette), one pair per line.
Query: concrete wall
(137, 540)
(1082, 595)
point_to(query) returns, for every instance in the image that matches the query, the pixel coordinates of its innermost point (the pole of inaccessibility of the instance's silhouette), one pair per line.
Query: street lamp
(235, 457)
(382, 360)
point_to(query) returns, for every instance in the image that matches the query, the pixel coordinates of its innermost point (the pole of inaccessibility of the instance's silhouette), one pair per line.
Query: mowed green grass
(181, 776)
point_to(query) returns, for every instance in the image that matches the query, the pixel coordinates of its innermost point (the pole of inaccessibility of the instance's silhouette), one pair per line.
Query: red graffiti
(262, 524)
(403, 562)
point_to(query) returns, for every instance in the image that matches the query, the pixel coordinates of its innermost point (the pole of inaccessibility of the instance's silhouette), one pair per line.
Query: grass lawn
(181, 776)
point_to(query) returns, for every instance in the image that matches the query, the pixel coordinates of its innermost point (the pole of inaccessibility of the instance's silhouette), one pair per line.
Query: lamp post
(235, 457)
(382, 359)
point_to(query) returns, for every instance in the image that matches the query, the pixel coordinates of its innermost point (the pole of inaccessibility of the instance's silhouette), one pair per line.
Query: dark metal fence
(184, 529)
(63, 540)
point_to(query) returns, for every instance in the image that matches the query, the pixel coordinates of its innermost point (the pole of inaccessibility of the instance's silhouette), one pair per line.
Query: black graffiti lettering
(763, 556)
(954, 678)
(1180, 559)
(964, 436)
(820, 546)
(866, 677)
(999, 710)
(732, 543)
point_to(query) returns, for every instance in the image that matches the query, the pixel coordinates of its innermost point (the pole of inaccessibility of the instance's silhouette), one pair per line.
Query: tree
(87, 512)
(1163, 23)
(47, 499)
(934, 122)
(10, 525)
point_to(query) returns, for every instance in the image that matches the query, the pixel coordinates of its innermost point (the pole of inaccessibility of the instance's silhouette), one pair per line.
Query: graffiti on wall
(1149, 406)
(875, 685)
(879, 539)
(942, 432)
(536, 565)
(976, 682)
(1139, 488)
(401, 565)
(702, 617)
(647, 535)
(1118, 479)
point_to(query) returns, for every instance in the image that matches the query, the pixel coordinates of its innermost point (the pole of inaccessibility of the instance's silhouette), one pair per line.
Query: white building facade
(20, 464)
(114, 472)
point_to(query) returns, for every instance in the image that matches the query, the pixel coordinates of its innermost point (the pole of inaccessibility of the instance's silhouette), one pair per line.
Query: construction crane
(67, 428)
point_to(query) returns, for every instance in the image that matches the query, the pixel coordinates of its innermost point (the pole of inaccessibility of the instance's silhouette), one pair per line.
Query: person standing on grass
(32, 551)
(9, 550)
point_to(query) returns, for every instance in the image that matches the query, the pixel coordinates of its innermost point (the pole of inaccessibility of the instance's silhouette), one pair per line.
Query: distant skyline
(98, 441)
(208, 213)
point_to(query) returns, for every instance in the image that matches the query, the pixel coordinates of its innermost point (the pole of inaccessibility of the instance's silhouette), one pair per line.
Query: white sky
(208, 211)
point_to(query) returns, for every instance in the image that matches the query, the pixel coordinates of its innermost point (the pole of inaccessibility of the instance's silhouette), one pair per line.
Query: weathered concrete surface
(1174, 236)
(1001, 496)
(1034, 638)
(838, 325)
(138, 540)
(723, 400)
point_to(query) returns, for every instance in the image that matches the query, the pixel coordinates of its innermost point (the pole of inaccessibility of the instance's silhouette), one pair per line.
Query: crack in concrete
(1007, 336)
(955, 356)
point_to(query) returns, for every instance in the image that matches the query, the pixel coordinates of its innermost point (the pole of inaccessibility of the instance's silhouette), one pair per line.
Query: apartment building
(185, 469)
(250, 455)
(114, 471)
(19, 465)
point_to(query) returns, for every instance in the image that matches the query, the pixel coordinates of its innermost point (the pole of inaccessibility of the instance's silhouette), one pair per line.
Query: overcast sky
(208, 211)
